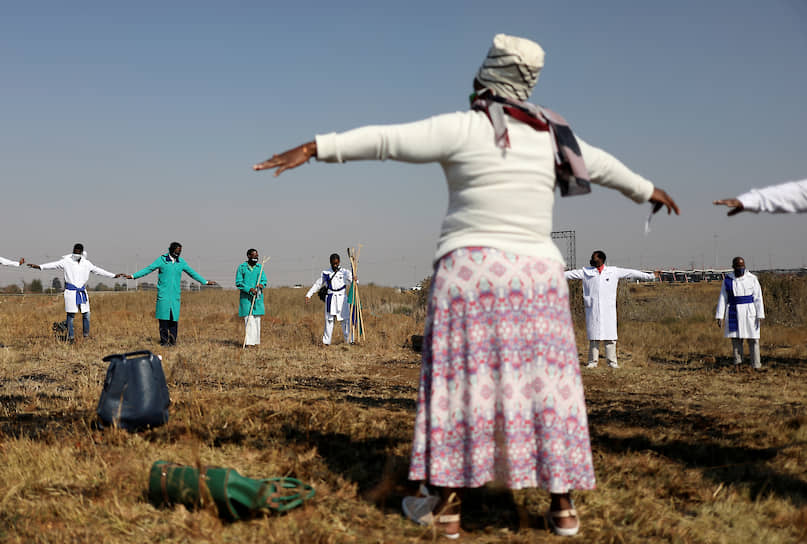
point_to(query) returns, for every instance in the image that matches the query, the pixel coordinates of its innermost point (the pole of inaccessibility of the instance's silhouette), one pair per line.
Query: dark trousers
(168, 331)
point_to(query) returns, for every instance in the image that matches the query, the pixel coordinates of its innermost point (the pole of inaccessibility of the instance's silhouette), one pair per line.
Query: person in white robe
(599, 297)
(9, 262)
(337, 280)
(788, 197)
(77, 269)
(739, 311)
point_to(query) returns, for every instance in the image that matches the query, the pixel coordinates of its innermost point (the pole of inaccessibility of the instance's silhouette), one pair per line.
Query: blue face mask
(738, 272)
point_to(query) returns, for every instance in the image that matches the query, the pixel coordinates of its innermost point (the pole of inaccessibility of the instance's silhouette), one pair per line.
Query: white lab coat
(337, 293)
(784, 198)
(7, 262)
(599, 297)
(77, 273)
(748, 315)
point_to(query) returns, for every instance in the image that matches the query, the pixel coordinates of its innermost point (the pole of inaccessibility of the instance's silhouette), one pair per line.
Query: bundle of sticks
(353, 299)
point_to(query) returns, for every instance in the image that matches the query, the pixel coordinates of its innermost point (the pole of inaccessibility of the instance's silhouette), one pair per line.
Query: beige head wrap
(511, 67)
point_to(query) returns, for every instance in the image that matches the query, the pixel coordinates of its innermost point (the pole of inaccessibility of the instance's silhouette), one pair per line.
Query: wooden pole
(254, 297)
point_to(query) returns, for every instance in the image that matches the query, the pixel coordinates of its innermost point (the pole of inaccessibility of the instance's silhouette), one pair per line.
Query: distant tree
(102, 287)
(12, 289)
(34, 287)
(56, 285)
(120, 287)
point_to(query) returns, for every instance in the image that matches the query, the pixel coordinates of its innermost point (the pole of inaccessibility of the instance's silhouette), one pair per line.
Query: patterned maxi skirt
(500, 395)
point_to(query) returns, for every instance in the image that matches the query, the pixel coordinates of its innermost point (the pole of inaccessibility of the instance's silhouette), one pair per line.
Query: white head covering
(511, 67)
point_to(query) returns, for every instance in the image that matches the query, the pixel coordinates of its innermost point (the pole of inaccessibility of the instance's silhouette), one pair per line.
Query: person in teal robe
(169, 292)
(250, 281)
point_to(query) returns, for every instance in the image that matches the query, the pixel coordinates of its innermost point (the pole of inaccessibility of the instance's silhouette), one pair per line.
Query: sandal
(567, 513)
(445, 519)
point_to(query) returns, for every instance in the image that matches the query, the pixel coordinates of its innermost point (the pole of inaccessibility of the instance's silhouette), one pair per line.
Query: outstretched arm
(632, 274)
(783, 198)
(101, 272)
(8, 262)
(197, 276)
(574, 274)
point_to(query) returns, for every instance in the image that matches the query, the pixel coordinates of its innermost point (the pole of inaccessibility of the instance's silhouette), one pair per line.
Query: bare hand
(660, 198)
(731, 203)
(307, 300)
(34, 266)
(253, 291)
(719, 323)
(128, 276)
(289, 159)
(120, 275)
(211, 282)
(22, 260)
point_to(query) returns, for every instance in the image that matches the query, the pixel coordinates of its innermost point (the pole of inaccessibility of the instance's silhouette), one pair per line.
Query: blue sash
(733, 301)
(81, 293)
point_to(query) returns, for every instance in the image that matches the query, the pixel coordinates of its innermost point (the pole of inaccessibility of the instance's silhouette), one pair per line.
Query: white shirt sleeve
(574, 274)
(759, 306)
(635, 274)
(606, 170)
(315, 287)
(429, 140)
(720, 311)
(100, 271)
(55, 265)
(7, 262)
(784, 198)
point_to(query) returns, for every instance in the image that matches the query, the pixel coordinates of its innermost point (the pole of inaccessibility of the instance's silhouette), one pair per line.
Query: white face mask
(76, 257)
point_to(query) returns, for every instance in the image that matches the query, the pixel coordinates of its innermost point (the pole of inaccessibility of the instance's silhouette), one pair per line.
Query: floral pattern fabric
(500, 398)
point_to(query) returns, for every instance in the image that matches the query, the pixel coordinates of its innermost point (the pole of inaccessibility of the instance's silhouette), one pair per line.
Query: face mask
(738, 272)
(76, 257)
(253, 261)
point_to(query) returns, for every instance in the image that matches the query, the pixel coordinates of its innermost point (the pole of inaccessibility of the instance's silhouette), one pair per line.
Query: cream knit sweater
(496, 198)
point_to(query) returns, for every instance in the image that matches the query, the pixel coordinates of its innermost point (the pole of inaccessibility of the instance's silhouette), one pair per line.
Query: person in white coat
(783, 198)
(599, 297)
(337, 280)
(739, 311)
(9, 262)
(77, 269)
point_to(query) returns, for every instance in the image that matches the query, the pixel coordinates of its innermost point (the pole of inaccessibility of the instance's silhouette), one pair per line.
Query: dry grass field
(687, 448)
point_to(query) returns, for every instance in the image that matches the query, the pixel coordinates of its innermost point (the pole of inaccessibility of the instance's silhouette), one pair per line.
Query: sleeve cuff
(326, 148)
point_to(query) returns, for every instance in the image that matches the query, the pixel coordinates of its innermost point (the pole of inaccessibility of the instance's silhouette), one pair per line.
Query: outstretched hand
(211, 282)
(731, 203)
(34, 266)
(289, 159)
(22, 260)
(660, 198)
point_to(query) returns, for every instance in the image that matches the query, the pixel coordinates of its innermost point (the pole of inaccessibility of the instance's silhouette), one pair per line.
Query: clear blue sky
(128, 125)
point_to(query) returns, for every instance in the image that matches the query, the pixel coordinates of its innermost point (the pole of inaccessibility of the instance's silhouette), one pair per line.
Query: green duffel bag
(235, 496)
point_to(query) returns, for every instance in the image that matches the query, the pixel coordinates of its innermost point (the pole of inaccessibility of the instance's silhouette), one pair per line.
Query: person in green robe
(171, 267)
(250, 281)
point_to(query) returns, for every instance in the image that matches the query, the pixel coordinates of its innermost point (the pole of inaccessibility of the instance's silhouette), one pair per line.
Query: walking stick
(254, 297)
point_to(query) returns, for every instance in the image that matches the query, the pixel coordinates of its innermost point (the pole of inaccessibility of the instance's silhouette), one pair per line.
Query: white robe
(748, 315)
(599, 297)
(784, 198)
(7, 262)
(76, 273)
(337, 293)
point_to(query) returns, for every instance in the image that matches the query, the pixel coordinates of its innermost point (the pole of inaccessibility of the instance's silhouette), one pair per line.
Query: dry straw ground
(686, 447)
